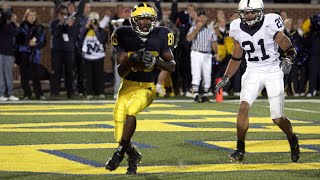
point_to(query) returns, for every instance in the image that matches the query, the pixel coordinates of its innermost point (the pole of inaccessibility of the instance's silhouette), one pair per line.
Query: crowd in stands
(78, 37)
(199, 1)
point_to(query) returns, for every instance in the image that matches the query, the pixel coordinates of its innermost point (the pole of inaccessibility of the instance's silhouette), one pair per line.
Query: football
(139, 66)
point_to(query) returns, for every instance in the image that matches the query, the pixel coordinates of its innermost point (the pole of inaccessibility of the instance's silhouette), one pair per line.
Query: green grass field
(178, 140)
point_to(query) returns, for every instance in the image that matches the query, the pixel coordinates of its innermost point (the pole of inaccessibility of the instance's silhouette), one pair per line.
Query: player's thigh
(274, 84)
(119, 111)
(275, 91)
(141, 99)
(250, 87)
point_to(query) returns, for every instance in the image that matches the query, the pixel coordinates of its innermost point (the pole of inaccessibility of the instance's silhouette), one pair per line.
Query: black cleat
(114, 162)
(237, 156)
(197, 99)
(205, 99)
(295, 148)
(133, 161)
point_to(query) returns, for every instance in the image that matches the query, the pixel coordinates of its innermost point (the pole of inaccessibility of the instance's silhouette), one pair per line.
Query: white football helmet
(254, 6)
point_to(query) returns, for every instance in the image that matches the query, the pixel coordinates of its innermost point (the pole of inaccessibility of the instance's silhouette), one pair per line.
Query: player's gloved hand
(148, 59)
(286, 65)
(224, 81)
(136, 57)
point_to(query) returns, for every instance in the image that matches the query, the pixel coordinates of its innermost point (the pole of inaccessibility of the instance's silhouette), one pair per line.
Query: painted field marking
(301, 110)
(19, 108)
(36, 158)
(264, 120)
(172, 125)
(263, 146)
(109, 112)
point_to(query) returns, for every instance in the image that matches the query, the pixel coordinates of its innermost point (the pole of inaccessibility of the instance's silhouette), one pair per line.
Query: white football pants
(252, 83)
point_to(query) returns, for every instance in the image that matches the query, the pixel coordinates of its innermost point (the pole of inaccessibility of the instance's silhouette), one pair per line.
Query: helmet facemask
(143, 25)
(143, 19)
(250, 22)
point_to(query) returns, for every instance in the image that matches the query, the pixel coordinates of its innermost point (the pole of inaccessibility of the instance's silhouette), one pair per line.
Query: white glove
(224, 81)
(286, 65)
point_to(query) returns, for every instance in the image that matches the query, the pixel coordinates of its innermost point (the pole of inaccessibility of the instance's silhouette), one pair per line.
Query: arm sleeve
(14, 30)
(214, 37)
(174, 11)
(275, 24)
(81, 8)
(83, 34)
(101, 35)
(233, 31)
(57, 3)
(41, 38)
(191, 29)
(159, 10)
(104, 22)
(116, 41)
(168, 40)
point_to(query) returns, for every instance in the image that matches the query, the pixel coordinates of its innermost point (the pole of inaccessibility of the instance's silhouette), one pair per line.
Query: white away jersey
(258, 42)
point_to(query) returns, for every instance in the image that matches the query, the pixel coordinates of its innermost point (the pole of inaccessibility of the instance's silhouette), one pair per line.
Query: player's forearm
(289, 50)
(283, 41)
(124, 70)
(166, 65)
(232, 68)
(286, 45)
(124, 64)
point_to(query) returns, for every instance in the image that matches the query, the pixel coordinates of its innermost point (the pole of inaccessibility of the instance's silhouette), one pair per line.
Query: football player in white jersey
(259, 35)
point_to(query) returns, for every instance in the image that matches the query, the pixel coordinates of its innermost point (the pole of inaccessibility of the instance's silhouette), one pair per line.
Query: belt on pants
(205, 52)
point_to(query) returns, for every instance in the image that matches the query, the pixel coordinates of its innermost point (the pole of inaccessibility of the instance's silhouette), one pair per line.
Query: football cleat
(114, 162)
(133, 161)
(197, 99)
(205, 99)
(161, 93)
(237, 156)
(295, 148)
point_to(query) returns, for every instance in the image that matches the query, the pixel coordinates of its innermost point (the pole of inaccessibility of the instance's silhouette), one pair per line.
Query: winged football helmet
(139, 14)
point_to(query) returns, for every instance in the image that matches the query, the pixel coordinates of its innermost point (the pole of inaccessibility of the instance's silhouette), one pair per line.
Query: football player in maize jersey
(259, 36)
(139, 48)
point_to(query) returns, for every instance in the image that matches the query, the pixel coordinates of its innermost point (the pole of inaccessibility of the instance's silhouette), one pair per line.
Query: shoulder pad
(163, 29)
(234, 29)
(274, 22)
(235, 24)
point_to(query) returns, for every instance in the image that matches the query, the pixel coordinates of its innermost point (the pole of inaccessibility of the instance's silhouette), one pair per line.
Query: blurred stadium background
(45, 10)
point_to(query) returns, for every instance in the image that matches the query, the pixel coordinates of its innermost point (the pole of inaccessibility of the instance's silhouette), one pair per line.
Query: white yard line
(287, 100)
(302, 110)
(156, 101)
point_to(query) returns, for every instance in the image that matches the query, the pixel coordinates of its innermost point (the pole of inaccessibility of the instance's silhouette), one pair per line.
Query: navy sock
(240, 146)
(123, 146)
